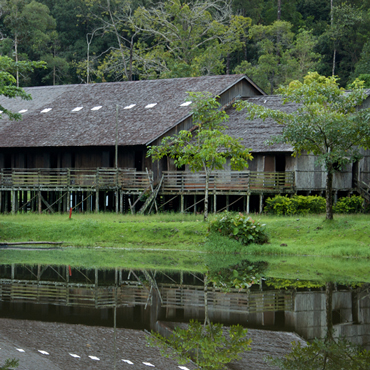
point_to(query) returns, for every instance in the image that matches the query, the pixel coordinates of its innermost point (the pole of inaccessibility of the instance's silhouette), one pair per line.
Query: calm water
(62, 317)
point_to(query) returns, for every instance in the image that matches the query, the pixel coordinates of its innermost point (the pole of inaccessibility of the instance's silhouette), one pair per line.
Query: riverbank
(345, 236)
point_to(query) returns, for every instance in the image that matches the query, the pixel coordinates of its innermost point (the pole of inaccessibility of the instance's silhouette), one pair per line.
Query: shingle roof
(254, 133)
(137, 126)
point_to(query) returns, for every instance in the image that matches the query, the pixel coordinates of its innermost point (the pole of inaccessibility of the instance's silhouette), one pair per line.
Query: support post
(13, 201)
(248, 203)
(214, 203)
(195, 204)
(182, 203)
(39, 201)
(227, 202)
(97, 200)
(121, 201)
(261, 204)
(117, 191)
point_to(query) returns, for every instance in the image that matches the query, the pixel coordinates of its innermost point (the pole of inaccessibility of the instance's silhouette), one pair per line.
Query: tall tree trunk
(329, 194)
(334, 58)
(206, 196)
(329, 312)
(279, 10)
(16, 57)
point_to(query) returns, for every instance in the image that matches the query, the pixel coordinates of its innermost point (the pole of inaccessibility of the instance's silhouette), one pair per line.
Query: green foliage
(8, 81)
(282, 56)
(239, 227)
(327, 123)
(239, 276)
(353, 204)
(298, 204)
(279, 283)
(207, 147)
(207, 346)
(10, 364)
(324, 355)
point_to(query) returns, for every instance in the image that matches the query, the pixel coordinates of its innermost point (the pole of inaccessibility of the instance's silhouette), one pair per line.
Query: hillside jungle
(272, 41)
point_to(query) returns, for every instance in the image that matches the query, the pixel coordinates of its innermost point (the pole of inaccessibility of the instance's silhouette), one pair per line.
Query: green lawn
(345, 236)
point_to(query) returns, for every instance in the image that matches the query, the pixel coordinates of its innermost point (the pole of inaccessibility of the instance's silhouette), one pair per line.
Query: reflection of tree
(206, 345)
(326, 354)
(10, 364)
(239, 276)
(210, 345)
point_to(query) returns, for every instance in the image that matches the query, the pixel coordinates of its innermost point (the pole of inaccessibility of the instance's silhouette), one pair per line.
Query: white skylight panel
(148, 364)
(23, 111)
(46, 110)
(185, 104)
(74, 355)
(129, 106)
(150, 105)
(95, 358)
(43, 352)
(97, 107)
(128, 362)
(77, 109)
(1, 111)
(183, 368)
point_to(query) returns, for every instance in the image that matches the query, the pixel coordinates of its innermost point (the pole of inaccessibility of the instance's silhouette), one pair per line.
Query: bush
(298, 204)
(353, 204)
(239, 227)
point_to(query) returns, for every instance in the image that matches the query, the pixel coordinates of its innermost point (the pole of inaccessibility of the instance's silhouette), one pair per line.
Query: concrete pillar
(248, 203)
(214, 203)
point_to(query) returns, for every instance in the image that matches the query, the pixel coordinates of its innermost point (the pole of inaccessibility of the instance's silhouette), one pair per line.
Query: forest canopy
(272, 41)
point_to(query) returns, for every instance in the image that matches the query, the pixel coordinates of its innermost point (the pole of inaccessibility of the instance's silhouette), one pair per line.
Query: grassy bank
(346, 236)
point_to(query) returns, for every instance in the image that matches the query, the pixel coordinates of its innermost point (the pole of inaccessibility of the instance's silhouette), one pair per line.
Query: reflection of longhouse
(142, 297)
(65, 150)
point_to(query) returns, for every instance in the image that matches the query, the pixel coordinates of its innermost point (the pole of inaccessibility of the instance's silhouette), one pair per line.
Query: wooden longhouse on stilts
(84, 146)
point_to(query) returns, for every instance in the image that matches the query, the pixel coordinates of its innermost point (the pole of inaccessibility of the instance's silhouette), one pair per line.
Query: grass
(345, 236)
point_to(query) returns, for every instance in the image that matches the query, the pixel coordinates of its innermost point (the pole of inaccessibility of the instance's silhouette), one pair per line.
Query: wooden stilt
(261, 203)
(117, 199)
(248, 203)
(214, 203)
(182, 203)
(40, 204)
(97, 201)
(227, 202)
(13, 201)
(121, 201)
(195, 204)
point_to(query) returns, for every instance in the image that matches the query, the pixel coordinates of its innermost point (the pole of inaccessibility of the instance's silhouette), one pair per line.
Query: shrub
(353, 204)
(239, 227)
(298, 204)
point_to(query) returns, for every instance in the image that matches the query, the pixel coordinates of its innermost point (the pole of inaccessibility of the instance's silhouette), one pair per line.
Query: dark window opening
(139, 160)
(280, 163)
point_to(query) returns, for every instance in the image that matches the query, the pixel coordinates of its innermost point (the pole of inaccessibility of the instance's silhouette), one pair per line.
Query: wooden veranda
(121, 190)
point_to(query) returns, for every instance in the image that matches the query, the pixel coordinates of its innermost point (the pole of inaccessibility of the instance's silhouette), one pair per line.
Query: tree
(29, 23)
(207, 147)
(282, 56)
(10, 364)
(326, 123)
(191, 38)
(207, 346)
(8, 82)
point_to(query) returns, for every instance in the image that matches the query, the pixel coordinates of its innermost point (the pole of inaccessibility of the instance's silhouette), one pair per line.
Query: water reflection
(240, 293)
